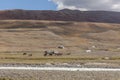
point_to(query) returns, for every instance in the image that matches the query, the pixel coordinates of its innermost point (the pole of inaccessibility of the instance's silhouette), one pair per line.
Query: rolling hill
(38, 35)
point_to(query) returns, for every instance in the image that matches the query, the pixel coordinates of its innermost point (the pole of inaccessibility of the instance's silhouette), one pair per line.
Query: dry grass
(34, 37)
(40, 59)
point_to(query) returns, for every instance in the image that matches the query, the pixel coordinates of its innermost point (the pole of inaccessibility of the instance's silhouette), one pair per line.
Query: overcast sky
(108, 5)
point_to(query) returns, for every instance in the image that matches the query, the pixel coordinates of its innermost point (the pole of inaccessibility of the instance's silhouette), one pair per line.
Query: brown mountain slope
(64, 29)
(62, 15)
(110, 35)
(60, 27)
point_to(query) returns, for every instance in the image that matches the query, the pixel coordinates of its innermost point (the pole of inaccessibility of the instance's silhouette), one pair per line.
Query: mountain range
(61, 15)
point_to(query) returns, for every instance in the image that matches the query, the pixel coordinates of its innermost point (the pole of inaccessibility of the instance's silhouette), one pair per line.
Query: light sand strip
(58, 69)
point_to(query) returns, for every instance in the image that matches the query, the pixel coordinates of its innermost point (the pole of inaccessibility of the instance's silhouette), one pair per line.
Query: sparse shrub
(24, 53)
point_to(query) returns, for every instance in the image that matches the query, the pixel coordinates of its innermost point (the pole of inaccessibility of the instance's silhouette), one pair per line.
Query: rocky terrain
(57, 75)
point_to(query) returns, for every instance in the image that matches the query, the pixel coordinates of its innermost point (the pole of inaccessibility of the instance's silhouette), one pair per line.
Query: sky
(84, 5)
(27, 4)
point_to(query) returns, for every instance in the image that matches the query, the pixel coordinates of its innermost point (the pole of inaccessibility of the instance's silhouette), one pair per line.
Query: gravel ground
(85, 65)
(58, 75)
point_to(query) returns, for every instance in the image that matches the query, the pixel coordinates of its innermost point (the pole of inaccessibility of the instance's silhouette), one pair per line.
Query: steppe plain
(36, 36)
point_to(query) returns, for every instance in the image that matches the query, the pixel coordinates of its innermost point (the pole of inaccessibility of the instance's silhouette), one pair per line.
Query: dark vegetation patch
(60, 58)
(26, 25)
(63, 23)
(5, 79)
